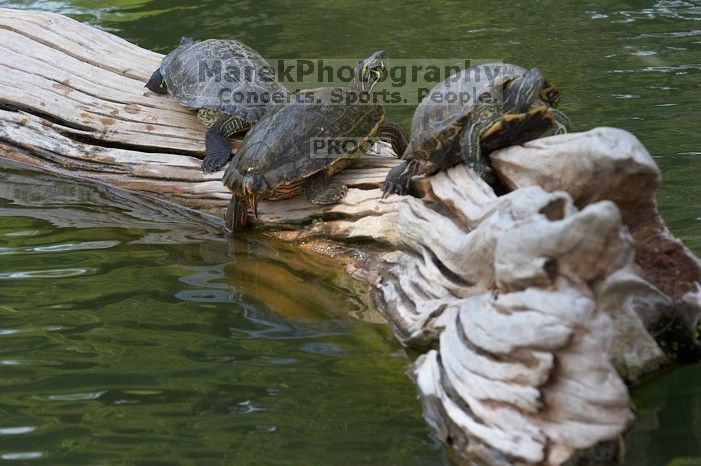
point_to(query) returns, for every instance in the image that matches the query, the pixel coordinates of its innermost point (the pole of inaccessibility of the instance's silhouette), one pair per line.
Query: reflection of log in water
(243, 269)
(519, 303)
(63, 204)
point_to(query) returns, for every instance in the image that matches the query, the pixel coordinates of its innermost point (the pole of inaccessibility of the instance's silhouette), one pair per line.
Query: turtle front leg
(395, 135)
(236, 215)
(560, 124)
(320, 190)
(217, 148)
(471, 152)
(398, 178)
(209, 116)
(156, 83)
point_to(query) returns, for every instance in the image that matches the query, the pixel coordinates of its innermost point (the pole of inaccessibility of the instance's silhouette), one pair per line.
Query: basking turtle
(299, 146)
(509, 106)
(230, 83)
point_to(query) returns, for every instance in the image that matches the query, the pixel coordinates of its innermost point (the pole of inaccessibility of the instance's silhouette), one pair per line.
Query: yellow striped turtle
(507, 105)
(278, 158)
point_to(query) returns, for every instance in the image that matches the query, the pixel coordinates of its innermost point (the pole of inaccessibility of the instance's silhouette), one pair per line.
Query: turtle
(281, 156)
(230, 84)
(507, 105)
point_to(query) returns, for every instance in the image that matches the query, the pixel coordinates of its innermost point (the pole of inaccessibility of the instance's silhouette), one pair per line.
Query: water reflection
(134, 333)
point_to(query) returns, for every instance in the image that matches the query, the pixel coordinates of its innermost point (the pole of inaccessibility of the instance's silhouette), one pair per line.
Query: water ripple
(80, 246)
(76, 246)
(16, 430)
(206, 296)
(29, 362)
(72, 396)
(52, 273)
(680, 69)
(25, 455)
(246, 407)
(325, 349)
(658, 35)
(22, 233)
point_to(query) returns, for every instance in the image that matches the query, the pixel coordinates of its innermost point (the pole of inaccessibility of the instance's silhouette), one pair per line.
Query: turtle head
(254, 185)
(184, 40)
(246, 185)
(370, 72)
(251, 187)
(522, 91)
(550, 94)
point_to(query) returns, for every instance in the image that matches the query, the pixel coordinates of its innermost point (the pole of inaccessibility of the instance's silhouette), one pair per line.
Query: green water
(136, 335)
(132, 334)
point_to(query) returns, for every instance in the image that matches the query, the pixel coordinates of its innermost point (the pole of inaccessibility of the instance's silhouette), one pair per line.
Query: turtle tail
(157, 84)
(185, 40)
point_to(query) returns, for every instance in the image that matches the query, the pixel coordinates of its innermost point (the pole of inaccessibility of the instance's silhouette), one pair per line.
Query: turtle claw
(211, 164)
(398, 178)
(392, 187)
(217, 152)
(483, 171)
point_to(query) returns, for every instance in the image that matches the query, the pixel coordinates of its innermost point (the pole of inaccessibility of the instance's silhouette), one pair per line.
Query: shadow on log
(521, 305)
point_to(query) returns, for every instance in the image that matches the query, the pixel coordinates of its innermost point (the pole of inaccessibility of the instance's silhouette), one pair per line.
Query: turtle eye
(382, 71)
(375, 75)
(258, 184)
(486, 98)
(550, 94)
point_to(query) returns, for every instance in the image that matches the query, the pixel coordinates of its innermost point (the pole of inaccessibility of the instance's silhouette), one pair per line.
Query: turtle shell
(442, 115)
(279, 153)
(210, 73)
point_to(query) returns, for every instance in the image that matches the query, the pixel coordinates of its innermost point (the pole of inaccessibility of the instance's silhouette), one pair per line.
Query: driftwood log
(529, 309)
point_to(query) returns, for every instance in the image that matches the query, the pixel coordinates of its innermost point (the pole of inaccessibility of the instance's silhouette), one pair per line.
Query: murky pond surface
(135, 334)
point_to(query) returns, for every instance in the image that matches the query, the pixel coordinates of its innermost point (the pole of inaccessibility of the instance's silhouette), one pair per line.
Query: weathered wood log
(611, 165)
(522, 304)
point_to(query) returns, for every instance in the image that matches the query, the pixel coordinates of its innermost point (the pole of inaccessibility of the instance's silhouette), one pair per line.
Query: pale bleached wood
(520, 303)
(105, 126)
(612, 164)
(85, 43)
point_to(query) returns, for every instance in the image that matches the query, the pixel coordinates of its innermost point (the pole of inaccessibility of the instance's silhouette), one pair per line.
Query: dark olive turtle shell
(438, 121)
(198, 74)
(280, 147)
